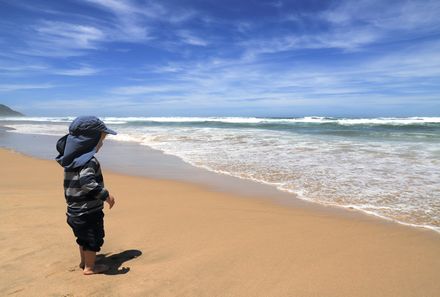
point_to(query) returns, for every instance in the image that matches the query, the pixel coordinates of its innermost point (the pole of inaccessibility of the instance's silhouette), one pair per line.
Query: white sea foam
(243, 120)
(254, 120)
(39, 129)
(375, 177)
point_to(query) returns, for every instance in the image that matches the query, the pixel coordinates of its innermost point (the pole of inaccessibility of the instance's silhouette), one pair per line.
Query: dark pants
(89, 230)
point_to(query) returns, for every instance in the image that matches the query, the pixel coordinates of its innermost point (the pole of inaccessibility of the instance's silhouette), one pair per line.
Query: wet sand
(175, 238)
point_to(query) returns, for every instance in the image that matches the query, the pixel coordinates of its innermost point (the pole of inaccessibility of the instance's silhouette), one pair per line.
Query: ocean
(387, 167)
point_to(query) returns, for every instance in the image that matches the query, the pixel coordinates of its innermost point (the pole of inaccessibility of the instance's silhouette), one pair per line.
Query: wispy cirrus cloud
(127, 26)
(396, 16)
(78, 105)
(406, 74)
(350, 26)
(60, 39)
(348, 40)
(19, 87)
(148, 89)
(14, 68)
(69, 35)
(10, 69)
(133, 22)
(189, 38)
(149, 9)
(81, 71)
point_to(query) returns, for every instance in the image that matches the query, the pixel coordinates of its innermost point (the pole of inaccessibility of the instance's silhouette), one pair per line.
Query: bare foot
(99, 268)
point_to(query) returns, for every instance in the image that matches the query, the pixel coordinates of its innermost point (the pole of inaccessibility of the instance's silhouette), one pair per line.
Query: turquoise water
(388, 167)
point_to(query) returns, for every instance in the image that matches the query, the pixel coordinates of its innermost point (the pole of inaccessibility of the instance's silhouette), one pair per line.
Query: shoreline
(155, 164)
(271, 195)
(194, 241)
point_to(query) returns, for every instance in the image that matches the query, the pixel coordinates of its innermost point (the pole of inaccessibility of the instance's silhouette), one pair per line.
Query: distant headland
(8, 112)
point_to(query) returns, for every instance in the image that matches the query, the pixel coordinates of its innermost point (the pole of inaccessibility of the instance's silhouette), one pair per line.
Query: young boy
(84, 187)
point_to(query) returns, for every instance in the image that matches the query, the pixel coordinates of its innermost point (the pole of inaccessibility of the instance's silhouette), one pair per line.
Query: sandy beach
(170, 238)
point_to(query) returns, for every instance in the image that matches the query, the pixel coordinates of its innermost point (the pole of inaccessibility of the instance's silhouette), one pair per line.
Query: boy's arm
(89, 184)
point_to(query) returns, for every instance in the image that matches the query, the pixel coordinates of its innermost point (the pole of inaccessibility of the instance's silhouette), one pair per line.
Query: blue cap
(84, 125)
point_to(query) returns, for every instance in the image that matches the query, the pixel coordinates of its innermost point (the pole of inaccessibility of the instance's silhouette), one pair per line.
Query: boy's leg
(90, 266)
(81, 253)
(74, 223)
(94, 240)
(89, 230)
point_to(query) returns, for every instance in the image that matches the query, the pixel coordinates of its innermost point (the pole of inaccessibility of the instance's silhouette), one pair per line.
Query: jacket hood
(76, 150)
(79, 146)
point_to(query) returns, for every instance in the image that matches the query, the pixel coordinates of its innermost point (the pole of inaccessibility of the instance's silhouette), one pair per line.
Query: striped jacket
(84, 189)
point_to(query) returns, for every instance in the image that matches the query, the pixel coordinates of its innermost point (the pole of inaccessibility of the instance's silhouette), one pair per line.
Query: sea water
(388, 167)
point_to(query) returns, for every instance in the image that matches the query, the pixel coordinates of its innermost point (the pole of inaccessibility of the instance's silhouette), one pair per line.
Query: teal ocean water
(388, 167)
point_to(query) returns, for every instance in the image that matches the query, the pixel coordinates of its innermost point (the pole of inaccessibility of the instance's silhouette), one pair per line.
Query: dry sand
(167, 238)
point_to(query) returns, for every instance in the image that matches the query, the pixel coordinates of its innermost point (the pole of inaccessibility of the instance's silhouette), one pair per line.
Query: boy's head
(92, 128)
(86, 134)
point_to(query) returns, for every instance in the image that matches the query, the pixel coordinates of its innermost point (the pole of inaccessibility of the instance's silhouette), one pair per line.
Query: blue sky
(220, 58)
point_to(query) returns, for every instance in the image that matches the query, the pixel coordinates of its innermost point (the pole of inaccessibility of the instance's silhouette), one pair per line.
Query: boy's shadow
(115, 261)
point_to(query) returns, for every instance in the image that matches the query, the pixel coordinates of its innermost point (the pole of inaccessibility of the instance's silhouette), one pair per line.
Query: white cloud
(275, 4)
(82, 71)
(127, 24)
(147, 89)
(348, 40)
(20, 68)
(351, 26)
(114, 5)
(18, 87)
(189, 38)
(79, 104)
(23, 69)
(133, 21)
(167, 68)
(390, 16)
(385, 79)
(418, 61)
(61, 34)
(62, 39)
